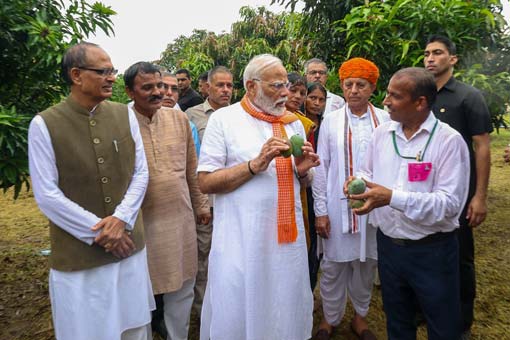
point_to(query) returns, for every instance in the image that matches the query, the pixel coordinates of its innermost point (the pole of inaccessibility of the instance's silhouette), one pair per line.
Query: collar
(155, 118)
(80, 109)
(450, 85)
(352, 115)
(427, 125)
(207, 106)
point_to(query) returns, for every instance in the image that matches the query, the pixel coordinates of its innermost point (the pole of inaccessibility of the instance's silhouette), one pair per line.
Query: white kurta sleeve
(213, 151)
(127, 210)
(320, 180)
(449, 193)
(51, 200)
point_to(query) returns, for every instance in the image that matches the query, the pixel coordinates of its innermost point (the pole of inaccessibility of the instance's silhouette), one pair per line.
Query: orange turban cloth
(359, 68)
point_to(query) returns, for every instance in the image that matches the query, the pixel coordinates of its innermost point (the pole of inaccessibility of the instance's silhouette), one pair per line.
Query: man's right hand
(322, 226)
(113, 237)
(272, 148)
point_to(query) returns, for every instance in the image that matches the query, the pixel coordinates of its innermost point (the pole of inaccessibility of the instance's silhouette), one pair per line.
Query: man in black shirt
(463, 108)
(187, 96)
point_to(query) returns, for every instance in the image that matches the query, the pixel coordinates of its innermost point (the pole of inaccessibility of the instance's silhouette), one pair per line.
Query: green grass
(25, 309)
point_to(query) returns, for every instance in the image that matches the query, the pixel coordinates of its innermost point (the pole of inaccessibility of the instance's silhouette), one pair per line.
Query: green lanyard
(419, 156)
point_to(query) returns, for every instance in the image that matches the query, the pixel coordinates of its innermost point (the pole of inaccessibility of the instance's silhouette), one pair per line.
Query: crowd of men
(182, 200)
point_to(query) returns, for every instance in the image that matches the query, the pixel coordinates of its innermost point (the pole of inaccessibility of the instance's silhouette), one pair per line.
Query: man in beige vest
(89, 176)
(220, 86)
(172, 196)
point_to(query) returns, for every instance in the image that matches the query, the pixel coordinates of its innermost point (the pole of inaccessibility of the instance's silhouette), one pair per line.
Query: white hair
(257, 65)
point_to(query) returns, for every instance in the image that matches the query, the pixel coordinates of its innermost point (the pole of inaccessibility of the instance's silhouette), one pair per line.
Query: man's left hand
(112, 231)
(376, 196)
(204, 219)
(477, 211)
(309, 160)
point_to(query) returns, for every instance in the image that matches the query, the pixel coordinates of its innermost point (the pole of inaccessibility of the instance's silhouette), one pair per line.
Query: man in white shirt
(316, 71)
(417, 172)
(258, 285)
(89, 176)
(349, 245)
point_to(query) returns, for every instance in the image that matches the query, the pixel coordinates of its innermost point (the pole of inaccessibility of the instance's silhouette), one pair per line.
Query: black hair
(296, 79)
(139, 67)
(183, 70)
(203, 76)
(450, 45)
(314, 86)
(423, 83)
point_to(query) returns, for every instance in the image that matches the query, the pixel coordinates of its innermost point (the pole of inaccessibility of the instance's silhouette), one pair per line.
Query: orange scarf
(287, 229)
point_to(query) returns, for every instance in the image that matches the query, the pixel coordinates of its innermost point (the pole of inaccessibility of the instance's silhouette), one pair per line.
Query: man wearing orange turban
(349, 242)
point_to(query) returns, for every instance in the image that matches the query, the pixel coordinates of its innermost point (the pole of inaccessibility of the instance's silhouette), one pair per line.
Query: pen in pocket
(115, 145)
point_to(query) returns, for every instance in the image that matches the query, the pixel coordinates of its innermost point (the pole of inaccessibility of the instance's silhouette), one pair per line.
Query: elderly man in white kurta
(89, 176)
(349, 245)
(258, 285)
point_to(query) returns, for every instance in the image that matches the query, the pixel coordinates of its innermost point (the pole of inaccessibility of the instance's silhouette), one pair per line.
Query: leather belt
(425, 240)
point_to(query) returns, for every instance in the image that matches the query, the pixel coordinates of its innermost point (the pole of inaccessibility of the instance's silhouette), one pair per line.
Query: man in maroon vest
(89, 176)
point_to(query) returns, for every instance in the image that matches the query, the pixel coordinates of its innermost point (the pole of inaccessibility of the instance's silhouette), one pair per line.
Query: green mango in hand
(297, 144)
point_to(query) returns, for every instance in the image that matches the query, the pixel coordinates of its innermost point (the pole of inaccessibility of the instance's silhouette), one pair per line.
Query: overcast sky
(143, 29)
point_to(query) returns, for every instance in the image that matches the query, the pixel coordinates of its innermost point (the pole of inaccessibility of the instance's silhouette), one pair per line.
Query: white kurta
(333, 102)
(98, 303)
(257, 288)
(329, 179)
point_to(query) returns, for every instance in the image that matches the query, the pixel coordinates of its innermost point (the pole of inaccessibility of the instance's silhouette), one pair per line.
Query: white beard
(268, 106)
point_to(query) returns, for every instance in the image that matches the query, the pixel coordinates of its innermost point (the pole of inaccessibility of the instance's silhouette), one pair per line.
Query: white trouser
(177, 310)
(341, 279)
(140, 333)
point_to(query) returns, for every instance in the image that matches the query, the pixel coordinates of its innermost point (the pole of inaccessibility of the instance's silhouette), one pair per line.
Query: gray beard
(266, 105)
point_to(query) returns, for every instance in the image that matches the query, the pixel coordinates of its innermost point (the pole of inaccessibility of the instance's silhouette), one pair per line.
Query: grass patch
(25, 311)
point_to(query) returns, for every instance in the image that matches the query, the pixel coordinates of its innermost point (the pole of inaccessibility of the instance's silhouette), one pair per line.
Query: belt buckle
(399, 241)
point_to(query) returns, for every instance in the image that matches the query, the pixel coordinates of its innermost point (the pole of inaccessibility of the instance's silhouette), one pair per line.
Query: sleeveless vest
(95, 159)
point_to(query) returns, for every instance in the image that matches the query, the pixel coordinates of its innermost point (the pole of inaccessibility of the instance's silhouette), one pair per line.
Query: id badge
(418, 172)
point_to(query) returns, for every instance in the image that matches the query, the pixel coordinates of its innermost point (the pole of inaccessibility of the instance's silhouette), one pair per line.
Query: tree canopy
(259, 31)
(33, 37)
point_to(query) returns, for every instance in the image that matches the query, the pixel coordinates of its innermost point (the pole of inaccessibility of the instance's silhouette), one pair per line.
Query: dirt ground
(25, 311)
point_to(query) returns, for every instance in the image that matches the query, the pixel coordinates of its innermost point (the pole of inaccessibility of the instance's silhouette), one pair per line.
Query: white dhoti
(103, 302)
(341, 279)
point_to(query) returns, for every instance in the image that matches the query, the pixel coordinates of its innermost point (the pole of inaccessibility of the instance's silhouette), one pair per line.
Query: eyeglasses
(319, 72)
(173, 88)
(277, 85)
(104, 72)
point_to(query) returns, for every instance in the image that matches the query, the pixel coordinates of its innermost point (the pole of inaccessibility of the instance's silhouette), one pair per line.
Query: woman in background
(315, 104)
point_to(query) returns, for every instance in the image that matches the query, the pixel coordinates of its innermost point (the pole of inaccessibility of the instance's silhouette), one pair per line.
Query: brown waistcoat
(95, 159)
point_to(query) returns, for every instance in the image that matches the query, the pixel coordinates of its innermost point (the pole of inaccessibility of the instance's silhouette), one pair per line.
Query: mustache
(155, 98)
(281, 101)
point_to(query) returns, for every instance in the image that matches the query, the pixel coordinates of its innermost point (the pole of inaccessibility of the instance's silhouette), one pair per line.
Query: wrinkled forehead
(170, 80)
(95, 55)
(274, 73)
(316, 67)
(143, 78)
(354, 80)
